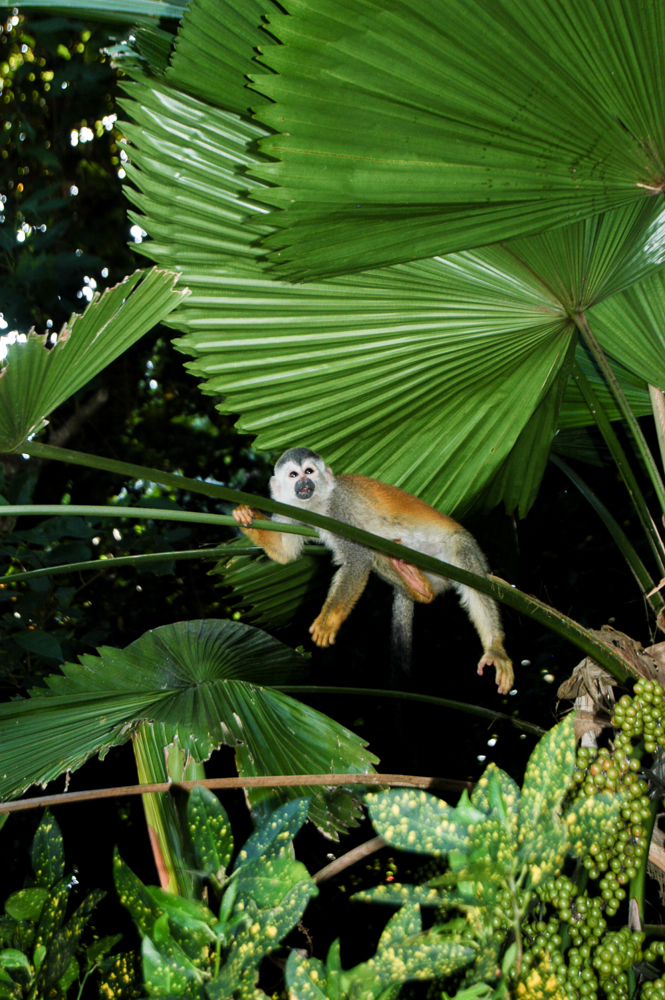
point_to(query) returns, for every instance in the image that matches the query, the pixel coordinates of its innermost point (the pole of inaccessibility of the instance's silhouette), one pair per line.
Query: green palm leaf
(268, 593)
(631, 327)
(419, 128)
(35, 379)
(203, 683)
(370, 369)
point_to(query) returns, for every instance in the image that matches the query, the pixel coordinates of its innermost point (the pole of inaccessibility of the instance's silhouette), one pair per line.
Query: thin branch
(264, 781)
(348, 859)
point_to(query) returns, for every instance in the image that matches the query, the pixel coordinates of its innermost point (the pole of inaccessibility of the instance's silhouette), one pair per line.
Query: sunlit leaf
(36, 379)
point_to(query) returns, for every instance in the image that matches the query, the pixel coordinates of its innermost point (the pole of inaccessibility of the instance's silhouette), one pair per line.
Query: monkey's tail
(401, 638)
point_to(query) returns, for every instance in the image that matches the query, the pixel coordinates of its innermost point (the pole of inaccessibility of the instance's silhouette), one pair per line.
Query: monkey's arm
(347, 585)
(281, 548)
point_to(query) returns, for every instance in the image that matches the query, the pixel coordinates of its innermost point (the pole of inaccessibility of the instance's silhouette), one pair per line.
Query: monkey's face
(296, 482)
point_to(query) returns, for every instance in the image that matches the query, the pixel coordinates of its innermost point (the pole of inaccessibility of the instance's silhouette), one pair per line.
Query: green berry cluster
(616, 860)
(655, 990)
(572, 937)
(643, 715)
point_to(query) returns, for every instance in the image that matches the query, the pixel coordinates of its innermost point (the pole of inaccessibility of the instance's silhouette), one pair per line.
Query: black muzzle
(304, 488)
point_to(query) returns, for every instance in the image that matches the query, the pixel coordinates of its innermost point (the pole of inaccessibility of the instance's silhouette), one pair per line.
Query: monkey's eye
(309, 472)
(293, 475)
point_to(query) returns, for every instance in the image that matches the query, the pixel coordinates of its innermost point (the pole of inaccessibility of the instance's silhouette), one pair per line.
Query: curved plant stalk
(623, 405)
(619, 456)
(603, 653)
(458, 706)
(216, 553)
(658, 407)
(639, 570)
(160, 810)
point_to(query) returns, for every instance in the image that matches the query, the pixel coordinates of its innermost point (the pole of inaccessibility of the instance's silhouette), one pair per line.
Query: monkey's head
(300, 475)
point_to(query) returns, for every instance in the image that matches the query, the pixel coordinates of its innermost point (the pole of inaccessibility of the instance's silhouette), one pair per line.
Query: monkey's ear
(328, 472)
(275, 487)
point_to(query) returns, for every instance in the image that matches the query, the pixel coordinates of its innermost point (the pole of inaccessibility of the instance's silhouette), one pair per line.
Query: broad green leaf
(36, 640)
(166, 971)
(270, 593)
(216, 49)
(186, 930)
(53, 914)
(496, 790)
(133, 894)
(273, 837)
(479, 343)
(267, 881)
(47, 852)
(631, 328)
(210, 832)
(405, 953)
(408, 130)
(202, 683)
(575, 412)
(11, 958)
(307, 979)
(26, 904)
(35, 379)
(261, 932)
(417, 821)
(542, 837)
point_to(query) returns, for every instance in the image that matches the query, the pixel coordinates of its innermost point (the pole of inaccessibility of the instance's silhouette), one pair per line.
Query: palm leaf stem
(636, 565)
(216, 553)
(658, 408)
(619, 456)
(496, 588)
(160, 812)
(622, 403)
(429, 699)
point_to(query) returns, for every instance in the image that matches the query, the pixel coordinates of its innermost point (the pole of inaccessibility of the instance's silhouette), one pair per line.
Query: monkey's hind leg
(347, 585)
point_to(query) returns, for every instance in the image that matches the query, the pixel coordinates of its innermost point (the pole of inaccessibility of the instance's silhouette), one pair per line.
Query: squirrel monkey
(302, 479)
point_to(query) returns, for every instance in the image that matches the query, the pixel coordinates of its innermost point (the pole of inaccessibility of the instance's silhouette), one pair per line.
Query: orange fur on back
(393, 501)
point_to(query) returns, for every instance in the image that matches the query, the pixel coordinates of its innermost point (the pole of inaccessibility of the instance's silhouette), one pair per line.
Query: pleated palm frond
(425, 127)
(268, 593)
(206, 683)
(425, 374)
(36, 379)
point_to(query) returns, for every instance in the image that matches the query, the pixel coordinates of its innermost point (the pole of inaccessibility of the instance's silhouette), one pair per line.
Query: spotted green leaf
(547, 778)
(210, 832)
(416, 821)
(26, 904)
(260, 932)
(47, 852)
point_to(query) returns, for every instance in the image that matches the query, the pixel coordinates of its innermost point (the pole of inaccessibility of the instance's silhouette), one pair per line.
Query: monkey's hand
(497, 657)
(244, 515)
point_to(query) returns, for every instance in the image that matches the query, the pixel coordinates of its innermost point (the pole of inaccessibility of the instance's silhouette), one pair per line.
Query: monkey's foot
(418, 585)
(505, 675)
(244, 515)
(324, 630)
